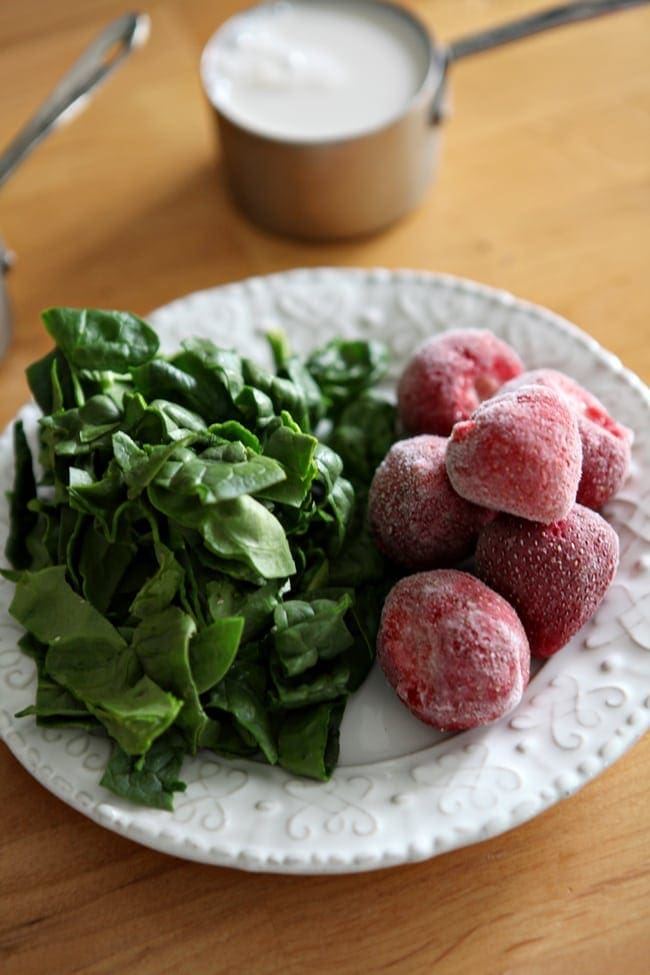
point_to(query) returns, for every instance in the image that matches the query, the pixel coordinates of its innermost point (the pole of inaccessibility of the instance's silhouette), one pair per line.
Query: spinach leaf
(294, 450)
(215, 480)
(308, 740)
(323, 685)
(162, 645)
(337, 499)
(255, 407)
(102, 563)
(95, 339)
(159, 589)
(81, 429)
(51, 383)
(90, 658)
(235, 432)
(141, 465)
(254, 605)
(213, 650)
(241, 529)
(157, 422)
(160, 380)
(345, 369)
(149, 780)
(22, 517)
(136, 716)
(294, 369)
(50, 610)
(306, 632)
(284, 396)
(363, 436)
(218, 374)
(54, 705)
(238, 695)
(101, 497)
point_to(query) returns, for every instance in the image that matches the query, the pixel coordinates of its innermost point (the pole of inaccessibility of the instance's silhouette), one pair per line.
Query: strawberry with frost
(416, 517)
(520, 452)
(554, 575)
(606, 444)
(449, 375)
(453, 649)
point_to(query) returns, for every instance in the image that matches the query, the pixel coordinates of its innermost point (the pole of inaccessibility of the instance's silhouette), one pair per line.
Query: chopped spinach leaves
(190, 549)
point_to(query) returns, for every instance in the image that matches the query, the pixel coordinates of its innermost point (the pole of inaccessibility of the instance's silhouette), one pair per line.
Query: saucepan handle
(514, 30)
(96, 63)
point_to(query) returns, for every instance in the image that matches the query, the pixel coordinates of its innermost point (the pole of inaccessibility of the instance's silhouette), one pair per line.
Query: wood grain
(544, 190)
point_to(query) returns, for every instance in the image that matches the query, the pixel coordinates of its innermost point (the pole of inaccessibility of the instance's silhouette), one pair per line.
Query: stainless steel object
(69, 97)
(353, 186)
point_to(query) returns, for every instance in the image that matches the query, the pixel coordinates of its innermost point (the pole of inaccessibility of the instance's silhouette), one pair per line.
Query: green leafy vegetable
(152, 779)
(101, 340)
(192, 561)
(345, 370)
(22, 519)
(309, 741)
(306, 632)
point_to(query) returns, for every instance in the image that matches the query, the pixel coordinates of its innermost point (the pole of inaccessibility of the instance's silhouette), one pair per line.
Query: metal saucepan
(70, 96)
(359, 184)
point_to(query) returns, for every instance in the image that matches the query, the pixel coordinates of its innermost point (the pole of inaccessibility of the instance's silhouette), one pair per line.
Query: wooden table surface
(544, 190)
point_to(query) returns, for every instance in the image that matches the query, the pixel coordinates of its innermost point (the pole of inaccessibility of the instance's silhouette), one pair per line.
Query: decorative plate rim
(572, 724)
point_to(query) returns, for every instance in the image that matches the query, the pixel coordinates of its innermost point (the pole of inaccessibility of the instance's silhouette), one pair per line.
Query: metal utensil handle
(96, 63)
(567, 13)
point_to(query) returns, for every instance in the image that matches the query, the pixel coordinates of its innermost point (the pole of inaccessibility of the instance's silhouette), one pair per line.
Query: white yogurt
(310, 70)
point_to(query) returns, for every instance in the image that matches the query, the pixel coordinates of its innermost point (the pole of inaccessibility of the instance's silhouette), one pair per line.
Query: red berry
(416, 517)
(453, 649)
(555, 575)
(450, 375)
(606, 444)
(520, 452)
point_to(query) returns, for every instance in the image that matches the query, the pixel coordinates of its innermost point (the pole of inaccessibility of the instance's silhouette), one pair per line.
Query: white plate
(401, 793)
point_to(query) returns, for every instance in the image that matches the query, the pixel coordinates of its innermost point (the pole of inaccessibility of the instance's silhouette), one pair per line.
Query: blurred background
(543, 187)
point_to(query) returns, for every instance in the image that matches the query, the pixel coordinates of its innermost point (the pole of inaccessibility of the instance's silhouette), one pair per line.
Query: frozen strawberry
(520, 452)
(453, 649)
(416, 517)
(606, 444)
(555, 575)
(450, 375)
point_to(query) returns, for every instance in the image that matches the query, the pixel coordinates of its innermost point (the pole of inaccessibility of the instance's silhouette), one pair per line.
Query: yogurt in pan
(328, 111)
